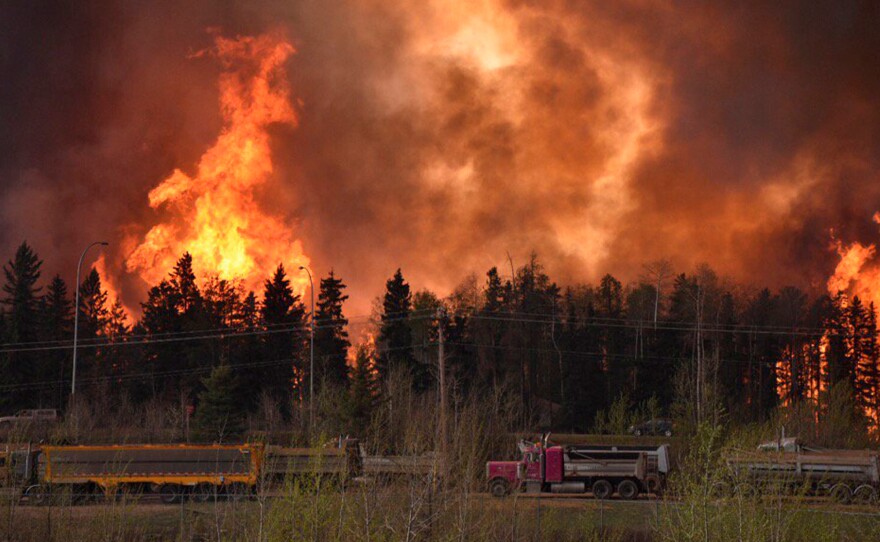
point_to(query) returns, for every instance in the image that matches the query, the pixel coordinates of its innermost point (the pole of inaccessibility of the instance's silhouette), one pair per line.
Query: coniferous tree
(395, 334)
(331, 336)
(93, 317)
(489, 330)
(363, 390)
(219, 416)
(283, 316)
(56, 318)
(20, 300)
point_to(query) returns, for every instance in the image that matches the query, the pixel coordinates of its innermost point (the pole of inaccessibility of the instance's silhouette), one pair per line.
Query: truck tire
(865, 494)
(628, 490)
(169, 493)
(841, 493)
(602, 489)
(637, 432)
(668, 432)
(38, 495)
(499, 487)
(204, 492)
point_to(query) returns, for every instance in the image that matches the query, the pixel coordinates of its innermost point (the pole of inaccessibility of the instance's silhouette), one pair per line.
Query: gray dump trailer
(843, 474)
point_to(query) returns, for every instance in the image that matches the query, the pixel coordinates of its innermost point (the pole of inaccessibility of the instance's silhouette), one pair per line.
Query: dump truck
(845, 475)
(173, 471)
(602, 470)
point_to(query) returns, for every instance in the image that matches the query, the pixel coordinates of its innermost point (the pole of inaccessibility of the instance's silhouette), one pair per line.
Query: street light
(76, 313)
(311, 353)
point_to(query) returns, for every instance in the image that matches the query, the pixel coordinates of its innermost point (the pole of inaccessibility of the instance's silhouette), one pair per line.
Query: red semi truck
(600, 469)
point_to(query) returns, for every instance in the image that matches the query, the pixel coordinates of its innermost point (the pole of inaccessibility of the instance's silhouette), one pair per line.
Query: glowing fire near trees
(847, 350)
(215, 215)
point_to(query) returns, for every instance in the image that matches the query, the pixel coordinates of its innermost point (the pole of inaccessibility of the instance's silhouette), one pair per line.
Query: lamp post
(76, 314)
(311, 353)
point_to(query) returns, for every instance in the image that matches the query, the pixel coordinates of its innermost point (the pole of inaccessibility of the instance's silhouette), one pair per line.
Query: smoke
(438, 136)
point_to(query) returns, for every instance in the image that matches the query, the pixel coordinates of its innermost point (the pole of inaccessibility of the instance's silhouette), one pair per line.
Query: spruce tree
(219, 416)
(283, 316)
(21, 303)
(395, 334)
(363, 391)
(331, 336)
(56, 319)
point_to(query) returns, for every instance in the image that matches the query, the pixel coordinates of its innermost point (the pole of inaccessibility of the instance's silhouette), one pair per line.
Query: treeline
(692, 345)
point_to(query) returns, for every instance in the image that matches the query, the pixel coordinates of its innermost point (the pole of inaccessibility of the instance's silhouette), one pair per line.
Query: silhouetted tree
(20, 301)
(331, 336)
(56, 324)
(283, 317)
(395, 333)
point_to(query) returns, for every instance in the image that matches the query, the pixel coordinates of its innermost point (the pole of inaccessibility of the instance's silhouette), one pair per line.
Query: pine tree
(363, 391)
(21, 303)
(56, 317)
(284, 315)
(93, 312)
(219, 416)
(331, 336)
(395, 333)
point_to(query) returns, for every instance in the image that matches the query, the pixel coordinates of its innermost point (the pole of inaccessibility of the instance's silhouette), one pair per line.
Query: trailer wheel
(499, 487)
(237, 491)
(39, 495)
(602, 489)
(865, 494)
(841, 493)
(628, 490)
(204, 492)
(169, 493)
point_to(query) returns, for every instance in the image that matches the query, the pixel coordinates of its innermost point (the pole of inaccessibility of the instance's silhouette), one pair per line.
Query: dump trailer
(283, 464)
(845, 475)
(173, 471)
(396, 466)
(603, 470)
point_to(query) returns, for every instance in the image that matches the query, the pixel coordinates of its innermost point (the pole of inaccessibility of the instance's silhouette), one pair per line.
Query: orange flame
(215, 215)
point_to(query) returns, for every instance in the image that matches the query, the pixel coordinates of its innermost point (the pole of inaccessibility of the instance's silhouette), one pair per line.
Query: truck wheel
(204, 492)
(237, 491)
(865, 495)
(39, 495)
(628, 490)
(602, 489)
(841, 493)
(637, 432)
(499, 487)
(668, 432)
(169, 493)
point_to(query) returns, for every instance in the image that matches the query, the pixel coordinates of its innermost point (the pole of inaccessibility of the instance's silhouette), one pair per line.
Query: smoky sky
(442, 136)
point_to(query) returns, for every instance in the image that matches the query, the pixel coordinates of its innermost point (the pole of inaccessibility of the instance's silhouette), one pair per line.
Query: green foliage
(219, 417)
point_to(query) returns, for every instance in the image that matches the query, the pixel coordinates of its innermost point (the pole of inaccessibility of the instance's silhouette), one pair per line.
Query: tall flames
(215, 214)
(856, 275)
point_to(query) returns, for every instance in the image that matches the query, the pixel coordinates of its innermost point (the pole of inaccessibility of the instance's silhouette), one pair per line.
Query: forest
(691, 345)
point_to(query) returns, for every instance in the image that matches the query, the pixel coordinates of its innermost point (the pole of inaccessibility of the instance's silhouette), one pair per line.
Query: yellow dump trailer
(172, 470)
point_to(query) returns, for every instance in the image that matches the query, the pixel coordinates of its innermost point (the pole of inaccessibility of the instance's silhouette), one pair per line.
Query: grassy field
(401, 513)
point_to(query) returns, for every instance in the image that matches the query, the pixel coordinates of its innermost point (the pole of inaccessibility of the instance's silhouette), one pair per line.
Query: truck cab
(507, 476)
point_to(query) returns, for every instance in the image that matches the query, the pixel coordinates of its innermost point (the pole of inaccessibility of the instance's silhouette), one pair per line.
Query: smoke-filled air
(442, 136)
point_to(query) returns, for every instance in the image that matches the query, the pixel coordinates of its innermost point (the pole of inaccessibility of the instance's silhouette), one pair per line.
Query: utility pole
(441, 359)
(311, 355)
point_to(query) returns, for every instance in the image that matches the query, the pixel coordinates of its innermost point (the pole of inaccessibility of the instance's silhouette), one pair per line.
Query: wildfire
(214, 214)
